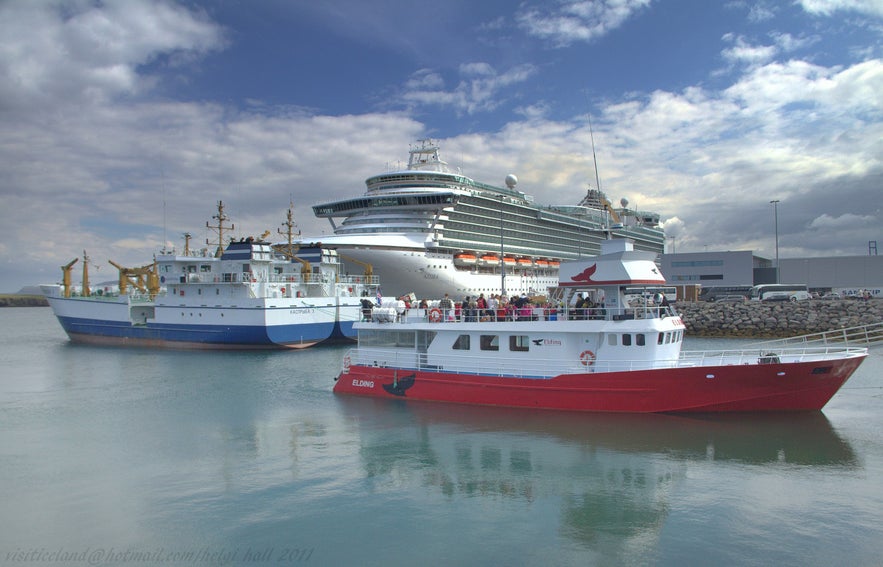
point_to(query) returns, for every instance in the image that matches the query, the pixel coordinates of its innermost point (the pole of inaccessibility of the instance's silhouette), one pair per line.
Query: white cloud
(829, 7)
(848, 220)
(82, 52)
(577, 20)
(708, 160)
(480, 88)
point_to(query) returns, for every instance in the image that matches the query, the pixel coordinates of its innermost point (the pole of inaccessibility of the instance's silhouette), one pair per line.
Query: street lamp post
(502, 263)
(775, 204)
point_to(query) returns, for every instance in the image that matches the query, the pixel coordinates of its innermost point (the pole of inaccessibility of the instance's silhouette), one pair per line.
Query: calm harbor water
(148, 457)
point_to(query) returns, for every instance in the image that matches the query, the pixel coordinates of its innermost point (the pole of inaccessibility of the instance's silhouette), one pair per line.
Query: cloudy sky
(122, 123)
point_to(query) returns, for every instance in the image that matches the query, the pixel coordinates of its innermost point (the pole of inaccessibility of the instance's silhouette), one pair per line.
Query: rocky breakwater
(776, 319)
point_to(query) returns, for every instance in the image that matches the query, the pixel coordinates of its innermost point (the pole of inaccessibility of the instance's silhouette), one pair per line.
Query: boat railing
(528, 367)
(861, 335)
(518, 367)
(114, 296)
(768, 355)
(435, 314)
(360, 280)
(292, 278)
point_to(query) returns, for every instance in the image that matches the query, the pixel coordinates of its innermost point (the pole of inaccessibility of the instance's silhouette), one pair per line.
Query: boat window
(462, 343)
(640, 339)
(205, 268)
(489, 342)
(611, 339)
(385, 338)
(519, 343)
(626, 340)
(660, 338)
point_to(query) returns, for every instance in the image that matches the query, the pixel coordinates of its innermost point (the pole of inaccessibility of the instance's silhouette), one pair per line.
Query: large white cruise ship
(431, 230)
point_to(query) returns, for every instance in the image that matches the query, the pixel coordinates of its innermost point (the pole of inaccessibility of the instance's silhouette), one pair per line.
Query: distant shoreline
(22, 300)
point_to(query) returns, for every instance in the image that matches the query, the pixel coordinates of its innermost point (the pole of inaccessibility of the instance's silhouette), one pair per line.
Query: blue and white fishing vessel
(251, 294)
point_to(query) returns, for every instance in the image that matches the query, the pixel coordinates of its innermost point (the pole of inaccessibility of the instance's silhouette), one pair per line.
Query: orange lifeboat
(490, 259)
(525, 263)
(465, 259)
(542, 263)
(509, 261)
(554, 264)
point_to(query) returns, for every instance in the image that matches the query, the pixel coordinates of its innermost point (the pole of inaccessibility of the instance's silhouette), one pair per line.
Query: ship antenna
(221, 218)
(594, 158)
(165, 239)
(290, 225)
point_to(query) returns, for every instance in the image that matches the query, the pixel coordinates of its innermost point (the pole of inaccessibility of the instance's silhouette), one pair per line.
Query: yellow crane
(369, 269)
(145, 278)
(66, 276)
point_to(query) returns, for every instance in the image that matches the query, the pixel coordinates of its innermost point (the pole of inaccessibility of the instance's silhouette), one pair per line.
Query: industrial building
(841, 274)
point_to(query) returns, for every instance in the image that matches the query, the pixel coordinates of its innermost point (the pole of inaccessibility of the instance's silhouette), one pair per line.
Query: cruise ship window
(462, 343)
(519, 343)
(626, 340)
(489, 342)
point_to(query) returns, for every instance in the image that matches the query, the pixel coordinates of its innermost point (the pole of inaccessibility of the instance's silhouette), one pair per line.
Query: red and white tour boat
(608, 357)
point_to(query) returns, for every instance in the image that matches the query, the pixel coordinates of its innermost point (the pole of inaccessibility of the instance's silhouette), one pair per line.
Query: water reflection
(803, 438)
(612, 476)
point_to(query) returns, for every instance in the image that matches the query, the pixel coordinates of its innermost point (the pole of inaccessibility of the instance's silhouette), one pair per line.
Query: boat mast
(221, 218)
(290, 248)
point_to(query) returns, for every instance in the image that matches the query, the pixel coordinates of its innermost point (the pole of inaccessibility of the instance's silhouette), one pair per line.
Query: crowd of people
(494, 307)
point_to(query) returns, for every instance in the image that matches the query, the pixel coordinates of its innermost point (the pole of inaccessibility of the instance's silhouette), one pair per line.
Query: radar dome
(511, 181)
(624, 202)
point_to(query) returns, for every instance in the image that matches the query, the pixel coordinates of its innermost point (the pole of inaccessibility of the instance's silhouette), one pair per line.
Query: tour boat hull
(787, 386)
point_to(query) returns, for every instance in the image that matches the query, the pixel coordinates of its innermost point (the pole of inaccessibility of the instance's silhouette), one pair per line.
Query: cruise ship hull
(432, 274)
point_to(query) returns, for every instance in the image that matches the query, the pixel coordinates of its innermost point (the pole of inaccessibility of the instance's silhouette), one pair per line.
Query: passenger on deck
(367, 308)
(447, 308)
(492, 305)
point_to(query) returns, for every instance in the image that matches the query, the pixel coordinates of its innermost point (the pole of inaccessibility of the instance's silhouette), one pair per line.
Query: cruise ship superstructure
(431, 230)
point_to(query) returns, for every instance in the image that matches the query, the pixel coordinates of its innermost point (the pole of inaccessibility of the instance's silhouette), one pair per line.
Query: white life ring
(587, 357)
(435, 315)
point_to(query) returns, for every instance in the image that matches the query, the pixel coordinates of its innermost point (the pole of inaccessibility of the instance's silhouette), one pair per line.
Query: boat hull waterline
(797, 386)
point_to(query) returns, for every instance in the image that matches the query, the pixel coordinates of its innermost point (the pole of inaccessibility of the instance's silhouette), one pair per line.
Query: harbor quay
(776, 319)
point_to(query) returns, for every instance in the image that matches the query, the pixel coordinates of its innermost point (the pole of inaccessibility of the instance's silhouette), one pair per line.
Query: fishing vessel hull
(109, 322)
(792, 386)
